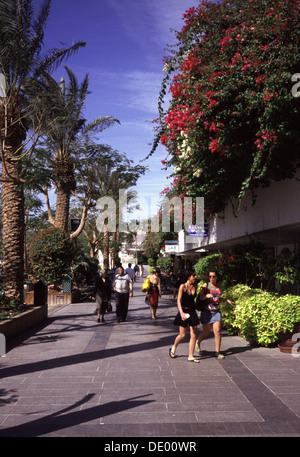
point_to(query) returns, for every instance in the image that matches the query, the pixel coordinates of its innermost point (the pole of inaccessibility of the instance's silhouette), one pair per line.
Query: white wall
(276, 206)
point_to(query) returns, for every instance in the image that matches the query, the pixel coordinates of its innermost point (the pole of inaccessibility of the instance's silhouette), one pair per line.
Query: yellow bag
(146, 285)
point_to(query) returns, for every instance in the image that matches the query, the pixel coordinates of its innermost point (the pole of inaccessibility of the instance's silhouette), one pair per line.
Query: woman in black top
(102, 294)
(186, 317)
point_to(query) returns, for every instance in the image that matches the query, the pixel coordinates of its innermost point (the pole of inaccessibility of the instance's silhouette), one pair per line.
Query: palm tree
(21, 65)
(65, 129)
(108, 173)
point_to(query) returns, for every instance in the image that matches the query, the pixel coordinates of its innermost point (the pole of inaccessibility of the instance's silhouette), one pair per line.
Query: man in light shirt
(123, 287)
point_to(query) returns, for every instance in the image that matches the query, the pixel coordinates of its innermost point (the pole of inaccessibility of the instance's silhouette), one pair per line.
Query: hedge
(259, 316)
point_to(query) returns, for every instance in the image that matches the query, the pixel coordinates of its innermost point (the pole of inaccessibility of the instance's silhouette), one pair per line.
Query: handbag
(146, 285)
(200, 305)
(109, 307)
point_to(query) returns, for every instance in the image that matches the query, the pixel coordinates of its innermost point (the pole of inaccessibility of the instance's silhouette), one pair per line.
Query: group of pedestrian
(210, 295)
(123, 288)
(187, 303)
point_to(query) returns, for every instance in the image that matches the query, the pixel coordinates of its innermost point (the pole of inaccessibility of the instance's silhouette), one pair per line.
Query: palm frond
(100, 124)
(52, 59)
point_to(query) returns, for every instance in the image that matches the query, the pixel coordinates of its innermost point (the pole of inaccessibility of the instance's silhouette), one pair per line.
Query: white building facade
(274, 220)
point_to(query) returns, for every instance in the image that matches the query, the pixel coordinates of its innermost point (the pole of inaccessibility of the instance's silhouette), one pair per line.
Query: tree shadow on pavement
(66, 418)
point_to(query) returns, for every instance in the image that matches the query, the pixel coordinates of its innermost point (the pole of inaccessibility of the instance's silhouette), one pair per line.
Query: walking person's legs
(180, 337)
(193, 337)
(118, 306)
(125, 300)
(217, 332)
(205, 333)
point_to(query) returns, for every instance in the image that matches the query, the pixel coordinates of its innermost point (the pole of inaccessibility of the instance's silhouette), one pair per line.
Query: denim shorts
(209, 317)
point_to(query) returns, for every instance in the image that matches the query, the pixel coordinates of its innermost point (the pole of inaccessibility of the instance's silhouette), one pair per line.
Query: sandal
(220, 356)
(197, 348)
(194, 360)
(171, 354)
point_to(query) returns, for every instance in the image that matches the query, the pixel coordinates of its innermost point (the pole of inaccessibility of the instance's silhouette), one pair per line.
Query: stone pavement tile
(291, 400)
(234, 428)
(43, 401)
(184, 429)
(146, 418)
(213, 398)
(138, 384)
(284, 426)
(227, 416)
(252, 428)
(137, 430)
(205, 406)
(285, 387)
(17, 422)
(211, 429)
(139, 395)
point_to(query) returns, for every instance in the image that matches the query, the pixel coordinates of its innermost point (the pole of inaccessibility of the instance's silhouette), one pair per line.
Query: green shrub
(164, 263)
(51, 254)
(206, 264)
(259, 316)
(151, 262)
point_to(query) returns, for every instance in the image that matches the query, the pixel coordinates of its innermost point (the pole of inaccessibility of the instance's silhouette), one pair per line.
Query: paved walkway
(74, 377)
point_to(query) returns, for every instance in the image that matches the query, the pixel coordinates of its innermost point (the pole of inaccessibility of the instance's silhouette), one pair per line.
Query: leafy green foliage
(205, 265)
(259, 316)
(51, 254)
(254, 265)
(165, 263)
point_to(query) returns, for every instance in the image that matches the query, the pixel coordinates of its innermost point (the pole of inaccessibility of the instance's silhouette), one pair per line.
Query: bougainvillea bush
(51, 254)
(232, 123)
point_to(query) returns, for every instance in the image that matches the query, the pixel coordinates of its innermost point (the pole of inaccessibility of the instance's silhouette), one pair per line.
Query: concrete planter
(287, 344)
(18, 324)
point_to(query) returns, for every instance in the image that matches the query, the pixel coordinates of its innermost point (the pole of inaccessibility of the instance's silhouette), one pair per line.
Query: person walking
(154, 292)
(102, 294)
(130, 272)
(211, 315)
(186, 317)
(177, 283)
(136, 270)
(123, 287)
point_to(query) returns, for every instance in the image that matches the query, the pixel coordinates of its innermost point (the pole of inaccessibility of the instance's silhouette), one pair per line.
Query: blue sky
(126, 42)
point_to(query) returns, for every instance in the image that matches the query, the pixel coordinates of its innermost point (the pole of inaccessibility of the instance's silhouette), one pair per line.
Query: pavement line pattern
(73, 377)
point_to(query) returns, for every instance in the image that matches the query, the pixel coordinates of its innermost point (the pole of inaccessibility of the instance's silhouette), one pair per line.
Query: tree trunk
(65, 183)
(105, 249)
(13, 232)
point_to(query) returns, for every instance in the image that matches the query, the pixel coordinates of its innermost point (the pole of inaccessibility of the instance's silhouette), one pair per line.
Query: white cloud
(152, 19)
(137, 89)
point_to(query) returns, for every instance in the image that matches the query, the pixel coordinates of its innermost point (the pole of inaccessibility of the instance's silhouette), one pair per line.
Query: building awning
(193, 252)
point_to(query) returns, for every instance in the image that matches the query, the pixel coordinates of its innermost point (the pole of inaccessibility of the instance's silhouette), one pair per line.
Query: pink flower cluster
(191, 63)
(226, 257)
(265, 137)
(211, 101)
(182, 118)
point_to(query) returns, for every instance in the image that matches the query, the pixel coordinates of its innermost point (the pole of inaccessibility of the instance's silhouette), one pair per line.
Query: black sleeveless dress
(188, 307)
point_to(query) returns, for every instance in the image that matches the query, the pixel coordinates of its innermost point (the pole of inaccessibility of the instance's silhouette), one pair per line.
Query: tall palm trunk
(105, 249)
(65, 183)
(13, 232)
(12, 134)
